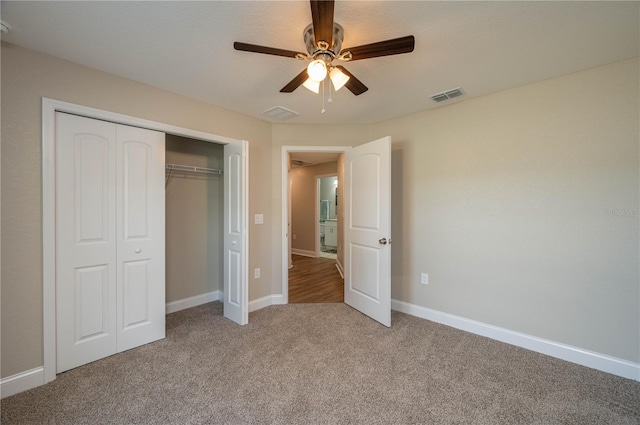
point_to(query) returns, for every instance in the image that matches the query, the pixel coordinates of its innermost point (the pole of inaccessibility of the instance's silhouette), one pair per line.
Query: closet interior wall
(194, 220)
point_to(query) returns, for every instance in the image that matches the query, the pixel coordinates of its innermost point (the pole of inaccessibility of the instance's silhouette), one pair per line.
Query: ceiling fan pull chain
(323, 110)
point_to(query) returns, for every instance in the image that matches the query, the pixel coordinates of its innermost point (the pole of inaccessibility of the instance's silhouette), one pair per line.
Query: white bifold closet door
(110, 239)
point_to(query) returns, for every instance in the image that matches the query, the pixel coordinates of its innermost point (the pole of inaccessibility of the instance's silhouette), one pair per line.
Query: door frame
(285, 205)
(49, 109)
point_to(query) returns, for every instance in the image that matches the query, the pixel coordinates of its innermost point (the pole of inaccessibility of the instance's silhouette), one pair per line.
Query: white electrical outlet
(259, 219)
(424, 278)
(256, 273)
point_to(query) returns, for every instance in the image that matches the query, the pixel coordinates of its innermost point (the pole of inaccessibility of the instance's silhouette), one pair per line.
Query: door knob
(383, 241)
(137, 251)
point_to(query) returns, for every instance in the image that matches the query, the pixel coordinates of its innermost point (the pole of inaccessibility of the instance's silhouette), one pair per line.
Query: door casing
(49, 109)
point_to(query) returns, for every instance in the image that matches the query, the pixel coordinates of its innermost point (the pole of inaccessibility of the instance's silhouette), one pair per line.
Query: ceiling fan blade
(354, 85)
(295, 83)
(383, 48)
(322, 18)
(266, 50)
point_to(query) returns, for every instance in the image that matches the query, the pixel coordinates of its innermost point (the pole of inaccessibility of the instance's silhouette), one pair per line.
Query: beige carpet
(325, 364)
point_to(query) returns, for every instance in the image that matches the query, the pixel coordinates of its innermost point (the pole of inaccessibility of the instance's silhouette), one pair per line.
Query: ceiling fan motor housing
(331, 51)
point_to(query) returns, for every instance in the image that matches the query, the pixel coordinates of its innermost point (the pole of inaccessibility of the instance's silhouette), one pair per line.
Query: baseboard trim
(602, 362)
(20, 382)
(340, 269)
(197, 300)
(303, 252)
(265, 302)
(254, 305)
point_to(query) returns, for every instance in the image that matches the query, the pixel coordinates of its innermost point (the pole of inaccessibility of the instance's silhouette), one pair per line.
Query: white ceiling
(187, 48)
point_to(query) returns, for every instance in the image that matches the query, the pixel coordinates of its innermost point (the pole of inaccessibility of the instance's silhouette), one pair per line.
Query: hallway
(315, 280)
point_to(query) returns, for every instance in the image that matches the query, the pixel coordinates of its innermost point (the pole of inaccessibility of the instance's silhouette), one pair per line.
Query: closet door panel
(85, 240)
(136, 296)
(141, 238)
(136, 189)
(91, 295)
(234, 279)
(235, 233)
(91, 183)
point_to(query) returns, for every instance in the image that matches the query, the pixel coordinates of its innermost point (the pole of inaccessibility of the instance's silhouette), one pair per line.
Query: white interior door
(367, 285)
(141, 236)
(85, 240)
(236, 288)
(109, 239)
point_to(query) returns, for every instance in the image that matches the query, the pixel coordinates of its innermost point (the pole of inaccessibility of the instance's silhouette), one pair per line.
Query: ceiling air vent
(446, 95)
(279, 113)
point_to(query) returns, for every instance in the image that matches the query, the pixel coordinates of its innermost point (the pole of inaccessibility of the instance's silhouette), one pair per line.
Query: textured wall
(523, 208)
(522, 205)
(27, 76)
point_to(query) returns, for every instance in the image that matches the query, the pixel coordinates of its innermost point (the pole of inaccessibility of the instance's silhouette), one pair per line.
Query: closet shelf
(188, 169)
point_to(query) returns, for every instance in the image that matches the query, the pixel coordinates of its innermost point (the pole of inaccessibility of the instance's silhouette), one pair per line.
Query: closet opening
(194, 199)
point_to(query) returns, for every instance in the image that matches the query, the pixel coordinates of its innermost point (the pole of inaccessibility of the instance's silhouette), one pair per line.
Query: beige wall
(522, 205)
(194, 220)
(27, 76)
(505, 201)
(303, 204)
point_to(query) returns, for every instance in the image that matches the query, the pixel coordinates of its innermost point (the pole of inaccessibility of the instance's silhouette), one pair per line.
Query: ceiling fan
(323, 40)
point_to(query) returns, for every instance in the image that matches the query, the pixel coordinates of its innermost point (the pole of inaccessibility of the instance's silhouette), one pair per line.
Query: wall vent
(446, 95)
(279, 113)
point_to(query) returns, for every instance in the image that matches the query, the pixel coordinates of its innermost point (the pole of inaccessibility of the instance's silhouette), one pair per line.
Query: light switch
(259, 219)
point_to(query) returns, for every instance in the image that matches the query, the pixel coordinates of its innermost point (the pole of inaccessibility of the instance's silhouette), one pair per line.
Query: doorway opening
(366, 176)
(327, 204)
(312, 244)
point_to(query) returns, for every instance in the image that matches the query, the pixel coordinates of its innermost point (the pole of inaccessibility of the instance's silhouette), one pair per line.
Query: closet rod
(190, 169)
(171, 168)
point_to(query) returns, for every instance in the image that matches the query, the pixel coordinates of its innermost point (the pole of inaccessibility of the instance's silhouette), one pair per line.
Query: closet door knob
(137, 251)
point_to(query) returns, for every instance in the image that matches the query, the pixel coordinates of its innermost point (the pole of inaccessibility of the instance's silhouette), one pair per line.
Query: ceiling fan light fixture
(317, 70)
(338, 78)
(312, 85)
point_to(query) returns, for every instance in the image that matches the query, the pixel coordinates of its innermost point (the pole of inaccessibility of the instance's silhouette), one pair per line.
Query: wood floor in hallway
(315, 280)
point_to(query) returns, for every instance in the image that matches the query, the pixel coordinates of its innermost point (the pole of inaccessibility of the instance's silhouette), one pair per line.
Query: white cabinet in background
(331, 233)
